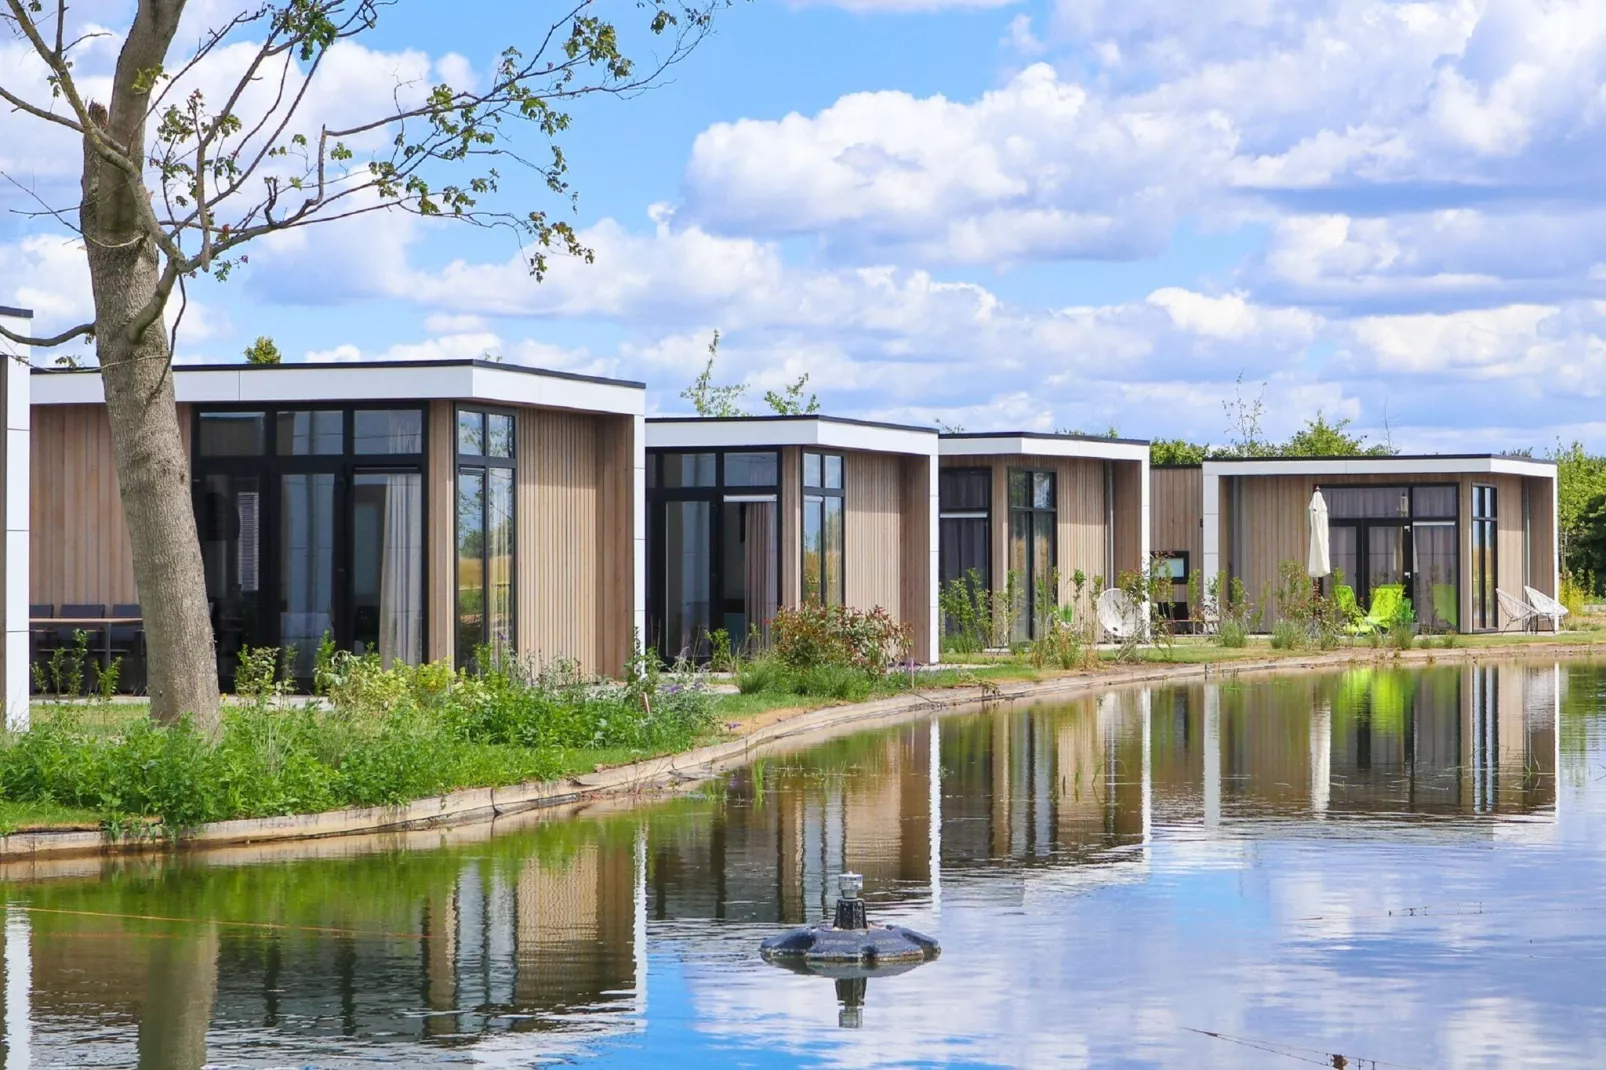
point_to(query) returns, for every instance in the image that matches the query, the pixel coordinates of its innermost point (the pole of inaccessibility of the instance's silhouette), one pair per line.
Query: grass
(26, 816)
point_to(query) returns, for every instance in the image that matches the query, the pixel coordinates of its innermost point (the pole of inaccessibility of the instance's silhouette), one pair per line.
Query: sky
(1028, 215)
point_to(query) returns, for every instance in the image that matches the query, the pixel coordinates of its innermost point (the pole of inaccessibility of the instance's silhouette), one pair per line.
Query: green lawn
(23, 816)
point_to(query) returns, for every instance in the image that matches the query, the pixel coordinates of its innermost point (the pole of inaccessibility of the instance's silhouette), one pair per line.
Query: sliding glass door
(311, 525)
(1405, 537)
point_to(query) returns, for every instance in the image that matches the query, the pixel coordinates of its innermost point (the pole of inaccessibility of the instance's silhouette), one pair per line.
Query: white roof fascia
(1384, 466)
(355, 382)
(713, 433)
(1091, 449)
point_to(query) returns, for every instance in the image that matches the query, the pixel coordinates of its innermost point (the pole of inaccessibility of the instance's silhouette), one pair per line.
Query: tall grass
(392, 735)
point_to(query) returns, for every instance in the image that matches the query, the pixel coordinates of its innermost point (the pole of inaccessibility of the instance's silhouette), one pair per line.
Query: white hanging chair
(1119, 615)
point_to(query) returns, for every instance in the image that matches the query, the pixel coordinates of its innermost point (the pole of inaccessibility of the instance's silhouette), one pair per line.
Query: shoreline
(780, 729)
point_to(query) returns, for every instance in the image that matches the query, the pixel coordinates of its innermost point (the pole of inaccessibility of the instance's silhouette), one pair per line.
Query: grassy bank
(382, 736)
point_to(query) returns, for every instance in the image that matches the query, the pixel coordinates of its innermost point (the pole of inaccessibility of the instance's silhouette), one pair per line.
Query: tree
(1318, 438)
(1580, 487)
(159, 207)
(1176, 451)
(262, 351)
(710, 400)
(790, 401)
(1244, 435)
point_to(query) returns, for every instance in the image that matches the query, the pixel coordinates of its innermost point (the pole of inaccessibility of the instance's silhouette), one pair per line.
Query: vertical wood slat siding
(1542, 545)
(873, 509)
(559, 543)
(918, 578)
(1276, 529)
(1081, 516)
(1176, 512)
(616, 524)
(1128, 485)
(441, 483)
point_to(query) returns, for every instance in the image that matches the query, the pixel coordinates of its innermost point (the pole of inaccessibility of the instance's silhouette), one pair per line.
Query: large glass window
(1033, 520)
(387, 593)
(964, 501)
(311, 522)
(1398, 536)
(485, 533)
(713, 529)
(1485, 559)
(824, 537)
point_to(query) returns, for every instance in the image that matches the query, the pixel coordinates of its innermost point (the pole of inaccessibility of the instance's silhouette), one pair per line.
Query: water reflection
(1065, 855)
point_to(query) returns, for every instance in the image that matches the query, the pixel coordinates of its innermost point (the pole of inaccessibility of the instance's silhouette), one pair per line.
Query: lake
(1388, 864)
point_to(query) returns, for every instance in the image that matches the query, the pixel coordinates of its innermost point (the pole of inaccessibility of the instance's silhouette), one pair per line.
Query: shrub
(1231, 632)
(814, 634)
(967, 614)
(1288, 635)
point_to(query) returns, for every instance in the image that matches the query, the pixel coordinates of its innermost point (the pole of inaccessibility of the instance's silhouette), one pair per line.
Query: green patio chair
(1354, 619)
(1388, 601)
(1445, 605)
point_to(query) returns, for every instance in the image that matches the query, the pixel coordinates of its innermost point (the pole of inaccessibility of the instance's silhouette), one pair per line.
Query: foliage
(1318, 438)
(1176, 451)
(263, 351)
(106, 677)
(1235, 617)
(790, 400)
(708, 399)
(1574, 593)
(976, 618)
(720, 656)
(814, 634)
(1308, 617)
(1400, 632)
(392, 735)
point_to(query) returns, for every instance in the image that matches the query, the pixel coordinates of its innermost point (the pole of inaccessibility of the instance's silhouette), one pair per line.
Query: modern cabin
(750, 514)
(1449, 530)
(1023, 509)
(14, 651)
(420, 510)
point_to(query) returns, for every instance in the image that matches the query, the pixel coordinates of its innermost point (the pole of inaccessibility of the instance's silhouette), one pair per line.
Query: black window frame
(1408, 521)
(816, 496)
(948, 516)
(484, 462)
(270, 464)
(714, 494)
(1485, 606)
(1034, 612)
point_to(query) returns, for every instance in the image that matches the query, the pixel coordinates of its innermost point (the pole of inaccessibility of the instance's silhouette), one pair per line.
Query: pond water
(1403, 866)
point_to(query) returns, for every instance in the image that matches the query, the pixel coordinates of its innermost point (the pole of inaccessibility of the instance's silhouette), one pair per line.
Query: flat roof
(393, 380)
(826, 432)
(16, 313)
(1401, 464)
(1043, 444)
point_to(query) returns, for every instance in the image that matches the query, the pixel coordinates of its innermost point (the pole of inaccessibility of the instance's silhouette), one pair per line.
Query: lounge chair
(1119, 616)
(1354, 619)
(1546, 607)
(1388, 602)
(1515, 609)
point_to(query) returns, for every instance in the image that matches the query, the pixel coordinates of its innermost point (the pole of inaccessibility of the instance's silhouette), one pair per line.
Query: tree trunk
(153, 473)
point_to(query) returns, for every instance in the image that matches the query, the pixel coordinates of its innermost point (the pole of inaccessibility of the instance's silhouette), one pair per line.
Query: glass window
(1033, 556)
(689, 469)
(812, 468)
(470, 563)
(823, 549)
(1433, 503)
(964, 489)
(833, 471)
(1042, 490)
(499, 558)
(752, 469)
(1485, 559)
(228, 516)
(232, 434)
(388, 431)
(1020, 486)
(498, 435)
(1358, 503)
(388, 574)
(320, 433)
(470, 433)
(688, 594)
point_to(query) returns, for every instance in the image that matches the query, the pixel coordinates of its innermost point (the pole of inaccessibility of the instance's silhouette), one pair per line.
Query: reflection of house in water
(426, 946)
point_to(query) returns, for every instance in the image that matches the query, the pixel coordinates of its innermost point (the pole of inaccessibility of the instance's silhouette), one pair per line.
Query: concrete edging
(700, 763)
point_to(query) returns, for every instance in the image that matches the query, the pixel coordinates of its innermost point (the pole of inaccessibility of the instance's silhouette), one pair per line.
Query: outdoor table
(105, 624)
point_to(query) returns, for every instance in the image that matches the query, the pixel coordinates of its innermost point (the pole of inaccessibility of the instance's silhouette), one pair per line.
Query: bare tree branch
(83, 329)
(38, 112)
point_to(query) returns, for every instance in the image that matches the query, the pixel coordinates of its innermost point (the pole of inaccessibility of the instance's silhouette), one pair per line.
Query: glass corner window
(470, 433)
(812, 470)
(486, 508)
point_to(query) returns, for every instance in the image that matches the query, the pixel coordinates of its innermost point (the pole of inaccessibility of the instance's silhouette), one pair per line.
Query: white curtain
(401, 611)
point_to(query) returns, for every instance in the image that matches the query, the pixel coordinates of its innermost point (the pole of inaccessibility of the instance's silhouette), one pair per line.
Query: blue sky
(1073, 213)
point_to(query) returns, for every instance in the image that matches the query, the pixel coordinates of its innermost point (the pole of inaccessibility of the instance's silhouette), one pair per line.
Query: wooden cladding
(1085, 541)
(78, 540)
(1275, 529)
(1176, 512)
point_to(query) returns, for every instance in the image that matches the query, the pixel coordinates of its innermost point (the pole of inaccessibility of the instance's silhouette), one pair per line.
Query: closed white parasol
(1319, 562)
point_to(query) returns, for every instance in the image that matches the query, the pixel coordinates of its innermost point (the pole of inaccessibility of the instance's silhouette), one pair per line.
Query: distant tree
(950, 429)
(1176, 451)
(1580, 488)
(263, 351)
(1245, 437)
(1319, 438)
(1109, 432)
(1585, 555)
(790, 401)
(710, 400)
